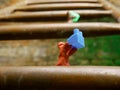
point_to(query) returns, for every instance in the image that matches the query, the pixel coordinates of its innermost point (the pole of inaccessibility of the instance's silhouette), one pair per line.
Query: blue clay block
(77, 39)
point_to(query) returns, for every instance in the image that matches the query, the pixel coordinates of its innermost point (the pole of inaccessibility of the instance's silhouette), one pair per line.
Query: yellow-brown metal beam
(109, 6)
(59, 6)
(60, 78)
(29, 2)
(55, 30)
(51, 15)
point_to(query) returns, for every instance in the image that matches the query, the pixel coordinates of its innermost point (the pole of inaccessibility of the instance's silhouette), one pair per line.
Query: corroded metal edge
(60, 78)
(110, 6)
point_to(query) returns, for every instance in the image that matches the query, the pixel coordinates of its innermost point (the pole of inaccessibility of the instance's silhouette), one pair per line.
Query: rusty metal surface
(59, 6)
(109, 6)
(60, 78)
(36, 30)
(58, 1)
(50, 15)
(55, 30)
(8, 10)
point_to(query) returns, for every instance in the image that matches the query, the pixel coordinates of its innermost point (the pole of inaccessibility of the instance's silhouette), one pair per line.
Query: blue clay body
(77, 39)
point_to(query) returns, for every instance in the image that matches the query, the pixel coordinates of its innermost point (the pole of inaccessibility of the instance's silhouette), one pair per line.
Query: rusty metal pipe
(56, 30)
(37, 15)
(109, 6)
(50, 15)
(8, 10)
(59, 6)
(29, 2)
(60, 78)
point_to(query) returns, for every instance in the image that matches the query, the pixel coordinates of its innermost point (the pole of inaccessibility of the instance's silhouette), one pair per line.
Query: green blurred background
(99, 51)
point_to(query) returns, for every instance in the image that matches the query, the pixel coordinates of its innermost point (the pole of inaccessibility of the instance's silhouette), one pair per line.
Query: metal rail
(109, 6)
(59, 6)
(29, 2)
(60, 78)
(36, 30)
(51, 15)
(56, 78)
(55, 30)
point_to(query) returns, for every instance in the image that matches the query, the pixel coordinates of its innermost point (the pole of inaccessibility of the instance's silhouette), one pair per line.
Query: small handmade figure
(66, 51)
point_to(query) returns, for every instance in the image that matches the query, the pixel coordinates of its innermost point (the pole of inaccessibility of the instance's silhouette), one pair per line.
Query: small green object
(75, 15)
